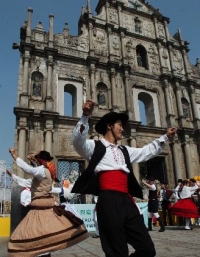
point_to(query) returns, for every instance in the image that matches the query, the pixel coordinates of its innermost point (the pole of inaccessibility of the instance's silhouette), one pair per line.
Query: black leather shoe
(95, 236)
(162, 229)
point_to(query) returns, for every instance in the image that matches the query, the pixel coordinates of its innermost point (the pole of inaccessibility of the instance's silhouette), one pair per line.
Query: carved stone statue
(139, 60)
(37, 87)
(101, 98)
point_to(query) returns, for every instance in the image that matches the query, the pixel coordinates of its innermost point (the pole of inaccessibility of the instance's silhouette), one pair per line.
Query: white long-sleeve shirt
(38, 172)
(186, 191)
(114, 158)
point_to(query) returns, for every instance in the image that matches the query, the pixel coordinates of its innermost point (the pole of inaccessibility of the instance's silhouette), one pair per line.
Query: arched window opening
(36, 82)
(102, 95)
(70, 100)
(185, 106)
(142, 113)
(141, 54)
(67, 104)
(147, 101)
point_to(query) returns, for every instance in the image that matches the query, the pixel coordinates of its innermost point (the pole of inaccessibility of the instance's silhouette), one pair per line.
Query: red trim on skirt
(185, 208)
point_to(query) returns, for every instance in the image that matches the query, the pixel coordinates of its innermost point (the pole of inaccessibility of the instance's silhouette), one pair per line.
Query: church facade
(126, 60)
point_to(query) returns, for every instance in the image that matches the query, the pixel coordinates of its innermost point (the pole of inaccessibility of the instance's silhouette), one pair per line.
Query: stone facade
(123, 55)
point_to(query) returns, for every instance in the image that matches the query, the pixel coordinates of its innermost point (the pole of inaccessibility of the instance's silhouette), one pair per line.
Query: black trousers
(120, 223)
(165, 210)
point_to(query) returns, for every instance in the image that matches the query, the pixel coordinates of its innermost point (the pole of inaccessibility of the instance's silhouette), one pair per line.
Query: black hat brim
(101, 125)
(44, 155)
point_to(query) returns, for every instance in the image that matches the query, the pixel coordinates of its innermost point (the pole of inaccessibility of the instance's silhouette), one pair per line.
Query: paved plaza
(174, 242)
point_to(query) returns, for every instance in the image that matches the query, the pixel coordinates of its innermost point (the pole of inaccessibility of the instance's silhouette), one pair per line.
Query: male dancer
(153, 204)
(110, 176)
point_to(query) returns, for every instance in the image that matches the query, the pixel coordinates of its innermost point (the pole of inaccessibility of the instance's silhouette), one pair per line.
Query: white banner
(87, 213)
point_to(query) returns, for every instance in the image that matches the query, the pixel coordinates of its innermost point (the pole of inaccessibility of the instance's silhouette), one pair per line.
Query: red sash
(116, 180)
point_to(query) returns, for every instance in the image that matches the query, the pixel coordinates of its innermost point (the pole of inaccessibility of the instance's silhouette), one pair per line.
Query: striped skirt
(42, 231)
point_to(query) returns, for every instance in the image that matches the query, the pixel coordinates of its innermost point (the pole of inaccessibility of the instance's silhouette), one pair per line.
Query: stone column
(187, 152)
(28, 30)
(25, 72)
(155, 27)
(122, 36)
(120, 16)
(136, 167)
(49, 101)
(128, 97)
(170, 58)
(178, 100)
(17, 212)
(113, 90)
(160, 54)
(92, 81)
(158, 42)
(107, 12)
(48, 140)
(91, 48)
(50, 43)
(21, 147)
(109, 41)
(166, 30)
(167, 97)
(48, 135)
(193, 103)
(175, 155)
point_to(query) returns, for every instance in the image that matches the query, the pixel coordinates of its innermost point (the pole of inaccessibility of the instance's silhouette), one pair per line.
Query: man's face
(191, 183)
(118, 129)
(163, 186)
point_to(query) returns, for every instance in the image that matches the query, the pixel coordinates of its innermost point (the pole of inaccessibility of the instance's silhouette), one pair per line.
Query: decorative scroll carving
(129, 51)
(128, 22)
(100, 43)
(177, 62)
(153, 57)
(161, 31)
(148, 29)
(165, 58)
(113, 16)
(116, 45)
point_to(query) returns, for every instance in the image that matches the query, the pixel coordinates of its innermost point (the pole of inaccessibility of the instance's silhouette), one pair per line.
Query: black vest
(152, 194)
(87, 182)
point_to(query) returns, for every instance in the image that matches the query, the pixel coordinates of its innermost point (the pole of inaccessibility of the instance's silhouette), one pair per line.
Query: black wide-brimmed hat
(110, 117)
(44, 155)
(152, 179)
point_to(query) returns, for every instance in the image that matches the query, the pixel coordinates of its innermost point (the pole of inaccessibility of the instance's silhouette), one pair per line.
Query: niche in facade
(185, 106)
(148, 111)
(36, 84)
(138, 25)
(70, 100)
(141, 54)
(102, 95)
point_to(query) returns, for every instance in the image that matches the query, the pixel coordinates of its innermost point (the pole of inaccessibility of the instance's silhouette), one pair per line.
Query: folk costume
(165, 195)
(110, 176)
(46, 227)
(185, 207)
(153, 206)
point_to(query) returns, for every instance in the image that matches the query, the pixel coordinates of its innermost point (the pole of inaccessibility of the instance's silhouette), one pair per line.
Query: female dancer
(185, 207)
(46, 227)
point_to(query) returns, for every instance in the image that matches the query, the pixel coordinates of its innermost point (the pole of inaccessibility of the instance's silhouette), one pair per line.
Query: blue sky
(183, 14)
